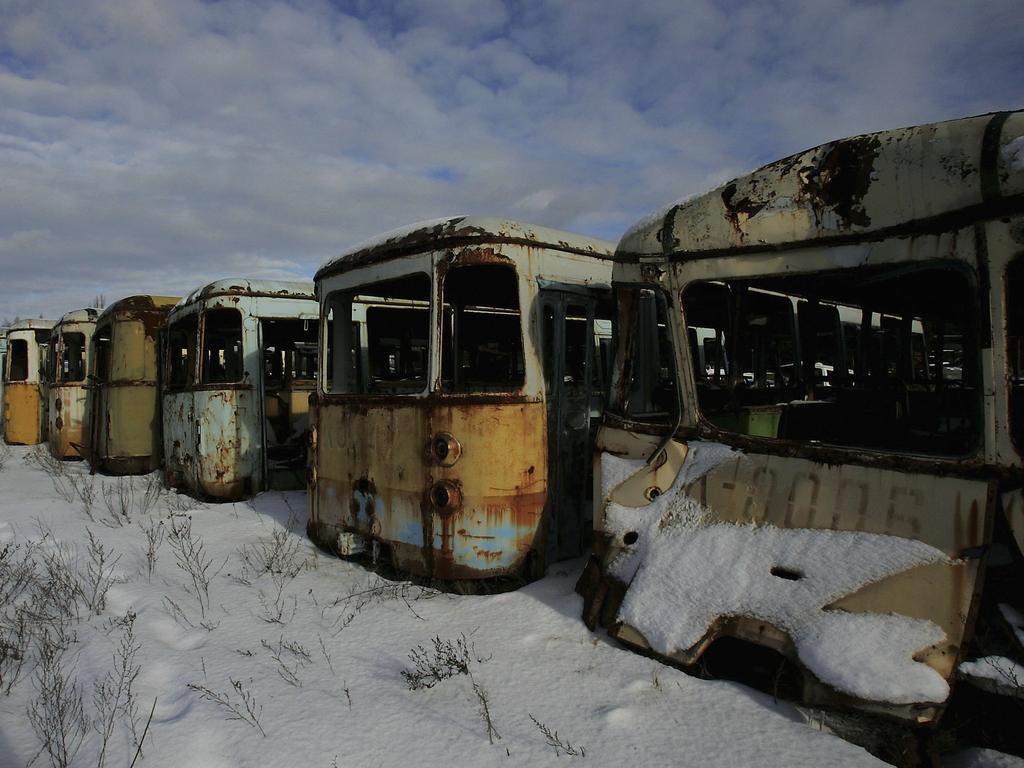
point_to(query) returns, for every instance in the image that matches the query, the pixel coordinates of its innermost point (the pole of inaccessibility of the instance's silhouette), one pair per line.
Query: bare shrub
(17, 578)
(155, 532)
(99, 574)
(84, 488)
(484, 710)
(41, 458)
(190, 556)
(57, 713)
(119, 499)
(556, 743)
(277, 553)
(277, 608)
(377, 590)
(238, 703)
(446, 659)
(284, 650)
(112, 696)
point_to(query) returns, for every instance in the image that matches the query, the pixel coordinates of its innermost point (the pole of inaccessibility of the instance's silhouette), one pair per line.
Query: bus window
(17, 355)
(1015, 347)
(481, 339)
(102, 339)
(874, 358)
(289, 351)
(384, 346)
(222, 346)
(181, 352)
(72, 357)
(645, 385)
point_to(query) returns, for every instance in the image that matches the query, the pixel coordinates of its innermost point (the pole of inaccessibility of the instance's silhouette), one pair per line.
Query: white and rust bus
(815, 436)
(461, 381)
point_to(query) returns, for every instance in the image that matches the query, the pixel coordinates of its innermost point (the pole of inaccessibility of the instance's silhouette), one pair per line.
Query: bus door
(576, 338)
(288, 354)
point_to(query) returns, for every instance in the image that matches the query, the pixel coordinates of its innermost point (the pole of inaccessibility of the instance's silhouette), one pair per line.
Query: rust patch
(841, 179)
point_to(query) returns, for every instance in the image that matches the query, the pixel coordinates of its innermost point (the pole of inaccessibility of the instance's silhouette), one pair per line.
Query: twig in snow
(556, 743)
(245, 708)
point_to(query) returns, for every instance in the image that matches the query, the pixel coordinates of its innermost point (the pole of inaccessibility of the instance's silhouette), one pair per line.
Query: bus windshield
(644, 380)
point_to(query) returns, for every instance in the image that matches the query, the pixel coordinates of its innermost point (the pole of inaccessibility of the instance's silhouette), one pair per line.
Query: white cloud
(156, 146)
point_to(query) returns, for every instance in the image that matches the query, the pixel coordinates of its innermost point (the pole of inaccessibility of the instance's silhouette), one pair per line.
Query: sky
(150, 146)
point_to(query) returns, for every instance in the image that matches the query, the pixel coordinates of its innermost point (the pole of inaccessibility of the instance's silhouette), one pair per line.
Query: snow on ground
(1015, 619)
(995, 673)
(319, 657)
(685, 572)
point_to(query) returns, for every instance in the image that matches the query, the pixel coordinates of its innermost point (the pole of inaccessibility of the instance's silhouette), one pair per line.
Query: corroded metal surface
(23, 410)
(876, 185)
(67, 432)
(124, 405)
(460, 232)
(377, 475)
(214, 434)
(24, 396)
(947, 196)
(447, 485)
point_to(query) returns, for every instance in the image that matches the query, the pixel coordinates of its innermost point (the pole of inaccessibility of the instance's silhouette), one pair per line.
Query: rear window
(17, 360)
(378, 337)
(181, 352)
(222, 346)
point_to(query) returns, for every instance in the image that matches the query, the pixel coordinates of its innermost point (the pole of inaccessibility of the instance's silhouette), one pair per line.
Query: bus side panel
(229, 442)
(22, 413)
(951, 514)
(67, 420)
(129, 423)
(373, 475)
(180, 459)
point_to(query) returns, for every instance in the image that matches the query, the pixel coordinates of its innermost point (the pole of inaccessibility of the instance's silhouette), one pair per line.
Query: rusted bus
(848, 320)
(240, 360)
(461, 381)
(124, 422)
(24, 401)
(67, 383)
(3, 371)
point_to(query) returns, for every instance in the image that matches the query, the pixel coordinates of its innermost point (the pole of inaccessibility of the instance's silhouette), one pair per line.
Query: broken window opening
(384, 346)
(644, 384)
(72, 358)
(181, 352)
(883, 358)
(222, 347)
(17, 360)
(103, 341)
(289, 351)
(481, 332)
(1015, 348)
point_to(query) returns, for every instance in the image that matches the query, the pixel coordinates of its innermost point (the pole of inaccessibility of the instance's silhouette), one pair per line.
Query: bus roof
(454, 231)
(31, 324)
(274, 289)
(926, 178)
(86, 315)
(138, 303)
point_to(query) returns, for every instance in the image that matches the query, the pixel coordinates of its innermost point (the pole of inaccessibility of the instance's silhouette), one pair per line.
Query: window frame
(899, 270)
(328, 356)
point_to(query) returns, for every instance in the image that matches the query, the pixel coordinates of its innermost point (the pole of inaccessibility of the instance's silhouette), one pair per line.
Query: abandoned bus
(24, 370)
(67, 379)
(240, 363)
(815, 434)
(461, 378)
(124, 399)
